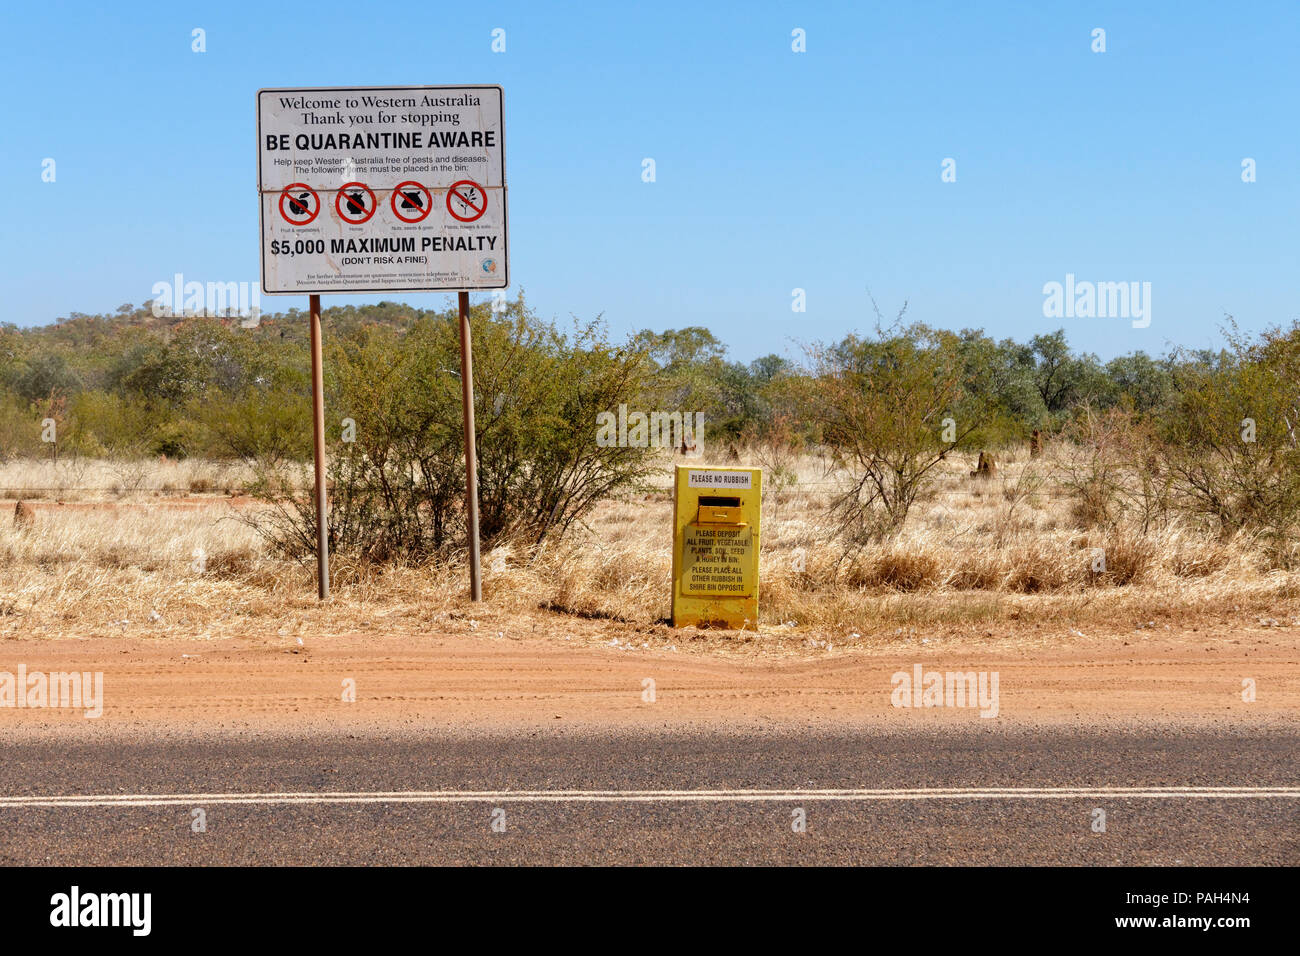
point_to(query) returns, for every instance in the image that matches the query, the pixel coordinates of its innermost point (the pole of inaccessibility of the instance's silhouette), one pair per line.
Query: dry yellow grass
(90, 479)
(974, 558)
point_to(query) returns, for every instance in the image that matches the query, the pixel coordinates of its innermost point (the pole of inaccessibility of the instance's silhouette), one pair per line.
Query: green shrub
(399, 486)
(1230, 443)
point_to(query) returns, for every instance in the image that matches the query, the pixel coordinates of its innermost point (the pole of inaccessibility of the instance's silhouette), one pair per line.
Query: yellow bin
(715, 546)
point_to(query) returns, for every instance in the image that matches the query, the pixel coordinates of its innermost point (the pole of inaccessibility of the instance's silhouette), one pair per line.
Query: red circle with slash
(296, 202)
(420, 212)
(477, 211)
(347, 216)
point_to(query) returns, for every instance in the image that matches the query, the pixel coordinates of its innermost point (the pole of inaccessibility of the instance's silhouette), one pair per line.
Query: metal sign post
(471, 449)
(318, 452)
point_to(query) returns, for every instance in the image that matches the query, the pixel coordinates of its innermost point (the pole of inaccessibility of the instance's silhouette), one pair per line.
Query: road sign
(382, 189)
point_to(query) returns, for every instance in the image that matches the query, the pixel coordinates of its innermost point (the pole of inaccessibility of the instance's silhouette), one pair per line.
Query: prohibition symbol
(414, 199)
(355, 203)
(469, 197)
(299, 204)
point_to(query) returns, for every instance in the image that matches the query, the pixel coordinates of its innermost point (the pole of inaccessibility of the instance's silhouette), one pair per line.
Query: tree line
(1213, 430)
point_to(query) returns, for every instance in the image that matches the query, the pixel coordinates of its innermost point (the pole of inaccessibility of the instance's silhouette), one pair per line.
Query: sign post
(471, 448)
(318, 452)
(384, 189)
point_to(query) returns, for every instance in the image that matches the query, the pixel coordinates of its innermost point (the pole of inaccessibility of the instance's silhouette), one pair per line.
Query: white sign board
(719, 479)
(382, 189)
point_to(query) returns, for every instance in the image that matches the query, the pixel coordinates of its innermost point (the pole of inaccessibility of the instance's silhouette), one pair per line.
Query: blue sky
(775, 170)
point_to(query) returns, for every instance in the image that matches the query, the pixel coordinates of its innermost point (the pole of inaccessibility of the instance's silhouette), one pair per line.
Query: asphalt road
(658, 798)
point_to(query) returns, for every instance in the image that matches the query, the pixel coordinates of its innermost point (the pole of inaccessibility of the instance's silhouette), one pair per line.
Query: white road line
(647, 796)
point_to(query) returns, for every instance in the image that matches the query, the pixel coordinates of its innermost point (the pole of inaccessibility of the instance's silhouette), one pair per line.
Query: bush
(1230, 444)
(1093, 463)
(890, 408)
(260, 425)
(105, 424)
(20, 430)
(399, 486)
